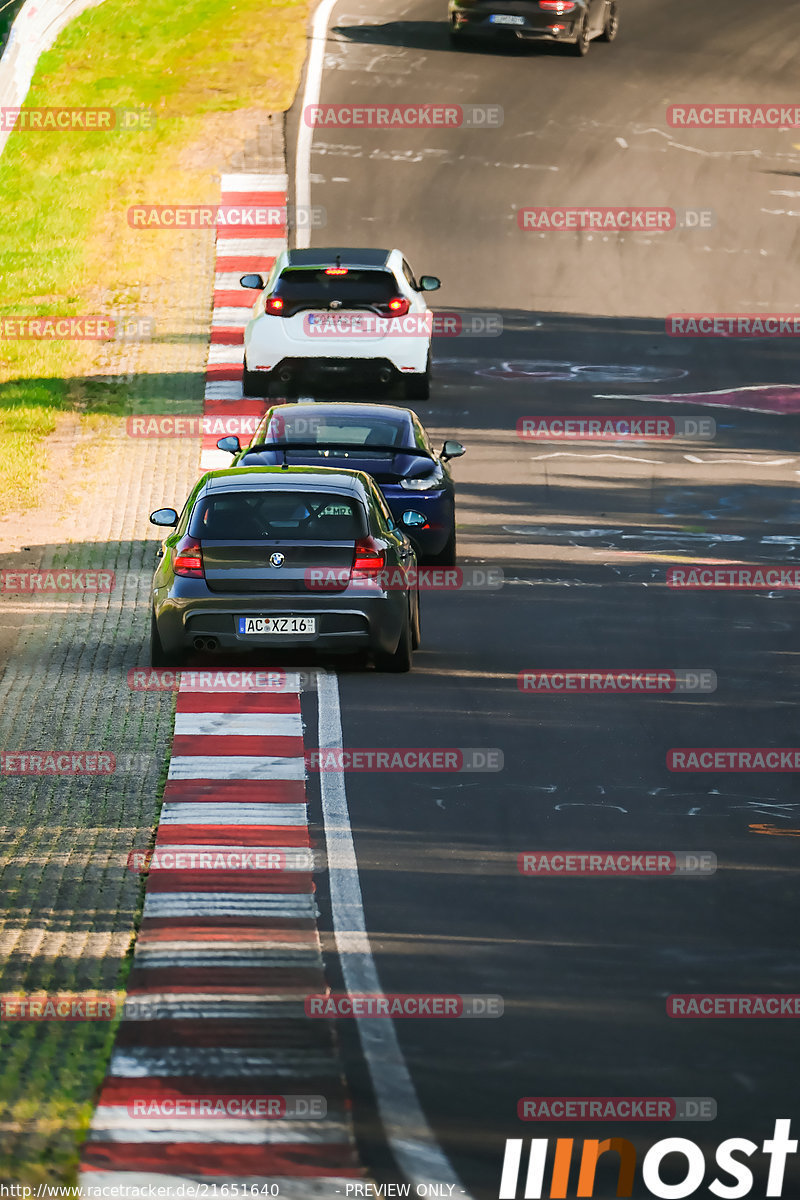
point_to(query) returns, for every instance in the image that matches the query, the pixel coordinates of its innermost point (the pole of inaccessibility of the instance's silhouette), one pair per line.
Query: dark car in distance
(386, 442)
(270, 558)
(574, 22)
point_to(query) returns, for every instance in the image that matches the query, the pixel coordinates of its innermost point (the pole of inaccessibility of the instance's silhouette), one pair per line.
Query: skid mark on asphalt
(551, 371)
(767, 397)
(226, 954)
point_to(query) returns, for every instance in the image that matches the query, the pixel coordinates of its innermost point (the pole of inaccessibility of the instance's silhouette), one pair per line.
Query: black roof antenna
(284, 464)
(338, 260)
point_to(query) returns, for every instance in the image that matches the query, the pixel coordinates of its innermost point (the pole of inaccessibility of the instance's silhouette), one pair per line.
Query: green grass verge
(67, 249)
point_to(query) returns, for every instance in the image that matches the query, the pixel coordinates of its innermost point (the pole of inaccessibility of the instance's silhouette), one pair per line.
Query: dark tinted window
(271, 515)
(333, 430)
(315, 287)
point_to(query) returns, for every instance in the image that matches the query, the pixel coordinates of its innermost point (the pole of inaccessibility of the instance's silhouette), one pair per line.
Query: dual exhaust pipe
(205, 643)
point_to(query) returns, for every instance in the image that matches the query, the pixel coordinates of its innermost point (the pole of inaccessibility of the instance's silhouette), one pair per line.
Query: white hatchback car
(339, 314)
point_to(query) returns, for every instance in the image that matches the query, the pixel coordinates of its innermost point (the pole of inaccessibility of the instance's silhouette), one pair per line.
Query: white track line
(413, 1144)
(249, 247)
(110, 1126)
(204, 1006)
(209, 812)
(237, 904)
(305, 136)
(223, 1062)
(236, 766)
(230, 724)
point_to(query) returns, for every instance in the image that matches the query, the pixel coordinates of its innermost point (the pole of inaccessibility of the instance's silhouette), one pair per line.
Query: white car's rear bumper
(270, 341)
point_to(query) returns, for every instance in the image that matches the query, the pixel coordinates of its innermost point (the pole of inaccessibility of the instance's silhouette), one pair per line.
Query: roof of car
(326, 256)
(346, 408)
(294, 479)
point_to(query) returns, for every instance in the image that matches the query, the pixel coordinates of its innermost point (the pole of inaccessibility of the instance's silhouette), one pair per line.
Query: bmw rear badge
(277, 559)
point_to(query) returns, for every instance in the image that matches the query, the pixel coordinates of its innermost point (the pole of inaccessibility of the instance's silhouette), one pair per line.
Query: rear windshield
(269, 515)
(331, 431)
(315, 287)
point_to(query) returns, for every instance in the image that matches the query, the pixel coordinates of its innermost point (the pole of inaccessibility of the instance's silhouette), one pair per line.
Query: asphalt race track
(585, 533)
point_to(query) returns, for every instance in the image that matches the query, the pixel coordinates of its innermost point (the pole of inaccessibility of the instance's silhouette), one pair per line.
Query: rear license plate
(279, 625)
(344, 324)
(506, 19)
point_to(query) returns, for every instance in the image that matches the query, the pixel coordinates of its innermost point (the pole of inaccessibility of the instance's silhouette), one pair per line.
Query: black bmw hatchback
(575, 22)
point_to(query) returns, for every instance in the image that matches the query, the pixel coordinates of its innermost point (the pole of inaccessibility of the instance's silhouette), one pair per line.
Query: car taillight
(336, 270)
(369, 559)
(557, 6)
(187, 558)
(274, 305)
(398, 306)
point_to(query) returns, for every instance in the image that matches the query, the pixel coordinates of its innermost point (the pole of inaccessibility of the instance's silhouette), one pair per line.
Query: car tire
(399, 661)
(611, 27)
(254, 383)
(581, 46)
(416, 623)
(447, 556)
(418, 387)
(158, 655)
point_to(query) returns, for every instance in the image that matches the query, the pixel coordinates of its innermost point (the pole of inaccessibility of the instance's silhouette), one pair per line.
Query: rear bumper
(356, 618)
(534, 28)
(361, 369)
(267, 344)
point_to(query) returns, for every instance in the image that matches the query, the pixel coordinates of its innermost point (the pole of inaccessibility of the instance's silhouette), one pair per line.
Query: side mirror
(412, 518)
(452, 450)
(429, 283)
(229, 444)
(164, 516)
(252, 281)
